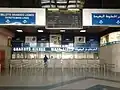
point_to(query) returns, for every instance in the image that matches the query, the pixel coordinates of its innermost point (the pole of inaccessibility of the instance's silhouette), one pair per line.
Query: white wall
(40, 13)
(4, 35)
(3, 40)
(87, 14)
(106, 55)
(111, 55)
(7, 55)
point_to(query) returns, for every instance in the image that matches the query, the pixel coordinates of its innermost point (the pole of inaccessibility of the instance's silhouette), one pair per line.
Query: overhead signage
(114, 36)
(79, 40)
(106, 19)
(30, 39)
(64, 19)
(109, 39)
(104, 40)
(55, 40)
(13, 18)
(56, 49)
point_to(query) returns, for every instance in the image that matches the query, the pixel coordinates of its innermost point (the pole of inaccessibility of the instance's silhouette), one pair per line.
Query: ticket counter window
(55, 55)
(67, 55)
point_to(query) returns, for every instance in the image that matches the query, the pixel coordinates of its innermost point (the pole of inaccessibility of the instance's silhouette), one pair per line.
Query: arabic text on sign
(109, 16)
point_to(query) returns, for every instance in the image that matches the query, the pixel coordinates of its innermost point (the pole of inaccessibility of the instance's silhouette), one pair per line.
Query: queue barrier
(85, 69)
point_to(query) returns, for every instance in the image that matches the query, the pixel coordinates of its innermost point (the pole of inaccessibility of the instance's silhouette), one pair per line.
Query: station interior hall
(59, 45)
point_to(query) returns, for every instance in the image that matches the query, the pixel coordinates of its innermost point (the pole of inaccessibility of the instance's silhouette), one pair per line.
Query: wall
(105, 55)
(111, 55)
(7, 55)
(4, 35)
(3, 40)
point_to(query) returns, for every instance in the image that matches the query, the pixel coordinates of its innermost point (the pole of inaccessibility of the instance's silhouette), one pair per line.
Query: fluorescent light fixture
(19, 30)
(67, 39)
(62, 30)
(53, 9)
(42, 39)
(61, 6)
(40, 30)
(71, 6)
(82, 30)
(61, 2)
(73, 9)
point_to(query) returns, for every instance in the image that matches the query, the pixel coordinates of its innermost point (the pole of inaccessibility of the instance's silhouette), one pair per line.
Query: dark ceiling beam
(50, 3)
(76, 3)
(55, 3)
(92, 4)
(109, 30)
(15, 3)
(67, 3)
(34, 2)
(38, 3)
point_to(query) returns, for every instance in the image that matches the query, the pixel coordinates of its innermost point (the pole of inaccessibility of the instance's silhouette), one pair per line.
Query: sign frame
(106, 19)
(87, 16)
(17, 18)
(63, 27)
(40, 15)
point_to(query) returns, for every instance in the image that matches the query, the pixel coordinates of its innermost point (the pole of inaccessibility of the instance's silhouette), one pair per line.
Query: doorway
(2, 60)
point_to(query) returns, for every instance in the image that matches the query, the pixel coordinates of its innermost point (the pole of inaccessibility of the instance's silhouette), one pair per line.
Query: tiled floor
(56, 79)
(87, 83)
(36, 77)
(102, 87)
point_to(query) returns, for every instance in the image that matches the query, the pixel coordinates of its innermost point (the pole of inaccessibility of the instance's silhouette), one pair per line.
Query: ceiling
(102, 4)
(61, 3)
(43, 3)
(33, 29)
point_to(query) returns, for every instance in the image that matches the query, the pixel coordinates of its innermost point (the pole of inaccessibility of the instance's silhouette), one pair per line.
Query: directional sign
(17, 18)
(106, 19)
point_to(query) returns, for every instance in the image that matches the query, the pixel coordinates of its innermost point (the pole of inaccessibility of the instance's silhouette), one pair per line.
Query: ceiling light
(73, 9)
(40, 30)
(19, 30)
(43, 39)
(54, 9)
(82, 30)
(62, 30)
(67, 39)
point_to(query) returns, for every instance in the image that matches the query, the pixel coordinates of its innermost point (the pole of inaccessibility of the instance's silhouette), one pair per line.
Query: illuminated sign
(105, 18)
(56, 49)
(64, 19)
(28, 49)
(114, 36)
(111, 38)
(14, 18)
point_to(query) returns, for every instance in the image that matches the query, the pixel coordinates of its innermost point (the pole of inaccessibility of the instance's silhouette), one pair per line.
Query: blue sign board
(17, 18)
(106, 19)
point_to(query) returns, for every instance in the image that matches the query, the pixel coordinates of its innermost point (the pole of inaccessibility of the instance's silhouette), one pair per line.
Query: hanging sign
(105, 19)
(14, 18)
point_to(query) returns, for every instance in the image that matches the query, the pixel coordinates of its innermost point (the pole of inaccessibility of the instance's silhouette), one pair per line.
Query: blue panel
(17, 18)
(105, 19)
(91, 45)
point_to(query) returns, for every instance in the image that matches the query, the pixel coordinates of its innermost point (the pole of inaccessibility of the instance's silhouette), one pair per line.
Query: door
(2, 60)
